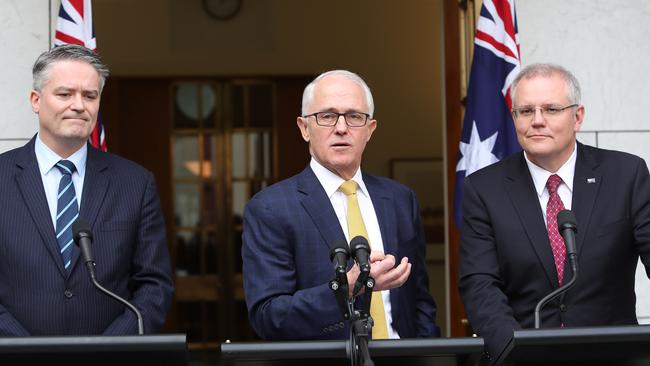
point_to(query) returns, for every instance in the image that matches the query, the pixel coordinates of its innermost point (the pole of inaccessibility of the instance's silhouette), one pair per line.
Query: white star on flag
(477, 154)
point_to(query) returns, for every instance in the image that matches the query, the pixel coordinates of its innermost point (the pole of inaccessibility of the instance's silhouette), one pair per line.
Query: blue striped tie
(67, 211)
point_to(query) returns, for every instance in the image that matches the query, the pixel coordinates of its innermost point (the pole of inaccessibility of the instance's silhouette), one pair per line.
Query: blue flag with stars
(488, 131)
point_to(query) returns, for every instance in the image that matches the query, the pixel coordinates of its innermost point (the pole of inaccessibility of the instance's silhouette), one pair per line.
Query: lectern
(611, 345)
(167, 350)
(431, 351)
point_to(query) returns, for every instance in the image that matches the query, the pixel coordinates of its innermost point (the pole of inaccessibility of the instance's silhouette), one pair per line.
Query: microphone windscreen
(339, 246)
(566, 220)
(359, 242)
(80, 228)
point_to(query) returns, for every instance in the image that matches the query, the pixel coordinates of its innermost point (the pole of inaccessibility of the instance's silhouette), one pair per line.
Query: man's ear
(35, 101)
(304, 131)
(372, 125)
(579, 117)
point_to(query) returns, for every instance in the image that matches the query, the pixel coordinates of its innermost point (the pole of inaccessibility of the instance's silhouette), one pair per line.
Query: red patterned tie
(552, 208)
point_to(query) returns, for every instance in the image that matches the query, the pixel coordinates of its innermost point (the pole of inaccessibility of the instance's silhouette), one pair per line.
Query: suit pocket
(615, 227)
(117, 226)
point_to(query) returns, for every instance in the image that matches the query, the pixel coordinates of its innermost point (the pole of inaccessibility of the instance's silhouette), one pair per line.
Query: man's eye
(327, 116)
(526, 112)
(552, 110)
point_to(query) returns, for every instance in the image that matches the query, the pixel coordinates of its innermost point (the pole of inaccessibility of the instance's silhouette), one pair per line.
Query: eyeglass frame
(315, 115)
(543, 110)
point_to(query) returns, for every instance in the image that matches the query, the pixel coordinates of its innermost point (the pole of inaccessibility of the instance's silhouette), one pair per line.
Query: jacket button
(67, 294)
(562, 307)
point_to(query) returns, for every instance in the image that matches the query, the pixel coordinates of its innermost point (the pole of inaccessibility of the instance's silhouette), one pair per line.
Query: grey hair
(69, 52)
(546, 70)
(308, 94)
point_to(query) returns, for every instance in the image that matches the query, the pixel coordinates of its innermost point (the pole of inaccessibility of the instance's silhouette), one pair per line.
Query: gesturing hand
(385, 273)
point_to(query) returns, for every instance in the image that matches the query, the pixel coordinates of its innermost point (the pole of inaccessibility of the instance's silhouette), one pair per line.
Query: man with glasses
(290, 227)
(511, 252)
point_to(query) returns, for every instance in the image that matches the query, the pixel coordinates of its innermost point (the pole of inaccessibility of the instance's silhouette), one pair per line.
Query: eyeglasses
(548, 111)
(329, 119)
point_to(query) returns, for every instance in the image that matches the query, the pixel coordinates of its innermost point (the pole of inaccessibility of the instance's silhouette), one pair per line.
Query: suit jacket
(37, 295)
(288, 228)
(506, 264)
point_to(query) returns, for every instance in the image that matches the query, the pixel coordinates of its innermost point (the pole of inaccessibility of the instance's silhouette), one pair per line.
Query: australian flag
(488, 130)
(75, 26)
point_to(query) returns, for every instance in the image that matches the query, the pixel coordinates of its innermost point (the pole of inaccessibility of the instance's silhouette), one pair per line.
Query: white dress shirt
(564, 190)
(331, 183)
(51, 175)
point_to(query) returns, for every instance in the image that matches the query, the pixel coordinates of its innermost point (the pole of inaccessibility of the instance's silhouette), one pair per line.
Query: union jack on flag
(75, 26)
(488, 130)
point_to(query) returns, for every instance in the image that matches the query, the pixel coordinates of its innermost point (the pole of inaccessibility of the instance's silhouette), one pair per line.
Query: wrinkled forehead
(550, 87)
(337, 91)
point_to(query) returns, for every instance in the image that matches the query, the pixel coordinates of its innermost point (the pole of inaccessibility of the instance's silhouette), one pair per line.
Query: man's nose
(341, 125)
(538, 117)
(77, 103)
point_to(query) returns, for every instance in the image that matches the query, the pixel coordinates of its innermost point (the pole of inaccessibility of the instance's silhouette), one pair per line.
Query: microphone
(83, 237)
(566, 224)
(339, 255)
(361, 251)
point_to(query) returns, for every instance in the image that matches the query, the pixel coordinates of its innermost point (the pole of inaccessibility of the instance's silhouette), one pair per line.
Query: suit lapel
(30, 185)
(382, 201)
(319, 207)
(586, 184)
(95, 188)
(520, 188)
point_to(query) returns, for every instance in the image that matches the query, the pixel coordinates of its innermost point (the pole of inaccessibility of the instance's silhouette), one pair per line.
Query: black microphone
(339, 255)
(361, 251)
(566, 224)
(83, 237)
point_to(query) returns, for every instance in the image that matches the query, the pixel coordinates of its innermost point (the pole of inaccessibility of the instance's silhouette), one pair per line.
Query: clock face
(222, 9)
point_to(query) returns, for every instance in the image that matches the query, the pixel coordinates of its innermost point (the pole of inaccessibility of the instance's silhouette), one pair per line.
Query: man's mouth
(340, 144)
(79, 118)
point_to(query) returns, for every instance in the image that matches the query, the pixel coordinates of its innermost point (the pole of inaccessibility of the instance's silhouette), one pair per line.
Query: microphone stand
(560, 290)
(361, 326)
(91, 270)
(360, 320)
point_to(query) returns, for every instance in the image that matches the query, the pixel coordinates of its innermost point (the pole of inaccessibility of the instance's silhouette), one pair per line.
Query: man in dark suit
(290, 226)
(56, 178)
(510, 258)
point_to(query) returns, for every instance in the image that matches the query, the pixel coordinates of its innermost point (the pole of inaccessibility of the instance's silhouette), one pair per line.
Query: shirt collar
(331, 182)
(47, 158)
(566, 172)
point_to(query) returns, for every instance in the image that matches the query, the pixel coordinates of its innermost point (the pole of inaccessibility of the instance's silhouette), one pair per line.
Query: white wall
(25, 34)
(604, 43)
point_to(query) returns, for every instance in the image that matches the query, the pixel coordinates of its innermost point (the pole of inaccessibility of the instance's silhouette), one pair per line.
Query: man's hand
(385, 273)
(352, 274)
(383, 270)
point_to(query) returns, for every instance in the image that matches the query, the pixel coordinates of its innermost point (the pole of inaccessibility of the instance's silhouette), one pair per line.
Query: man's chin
(75, 138)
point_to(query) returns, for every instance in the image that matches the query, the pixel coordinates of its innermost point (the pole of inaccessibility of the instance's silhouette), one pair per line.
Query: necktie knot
(349, 187)
(66, 167)
(552, 183)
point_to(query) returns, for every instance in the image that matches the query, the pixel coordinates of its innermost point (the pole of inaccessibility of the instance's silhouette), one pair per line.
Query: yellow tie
(357, 227)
